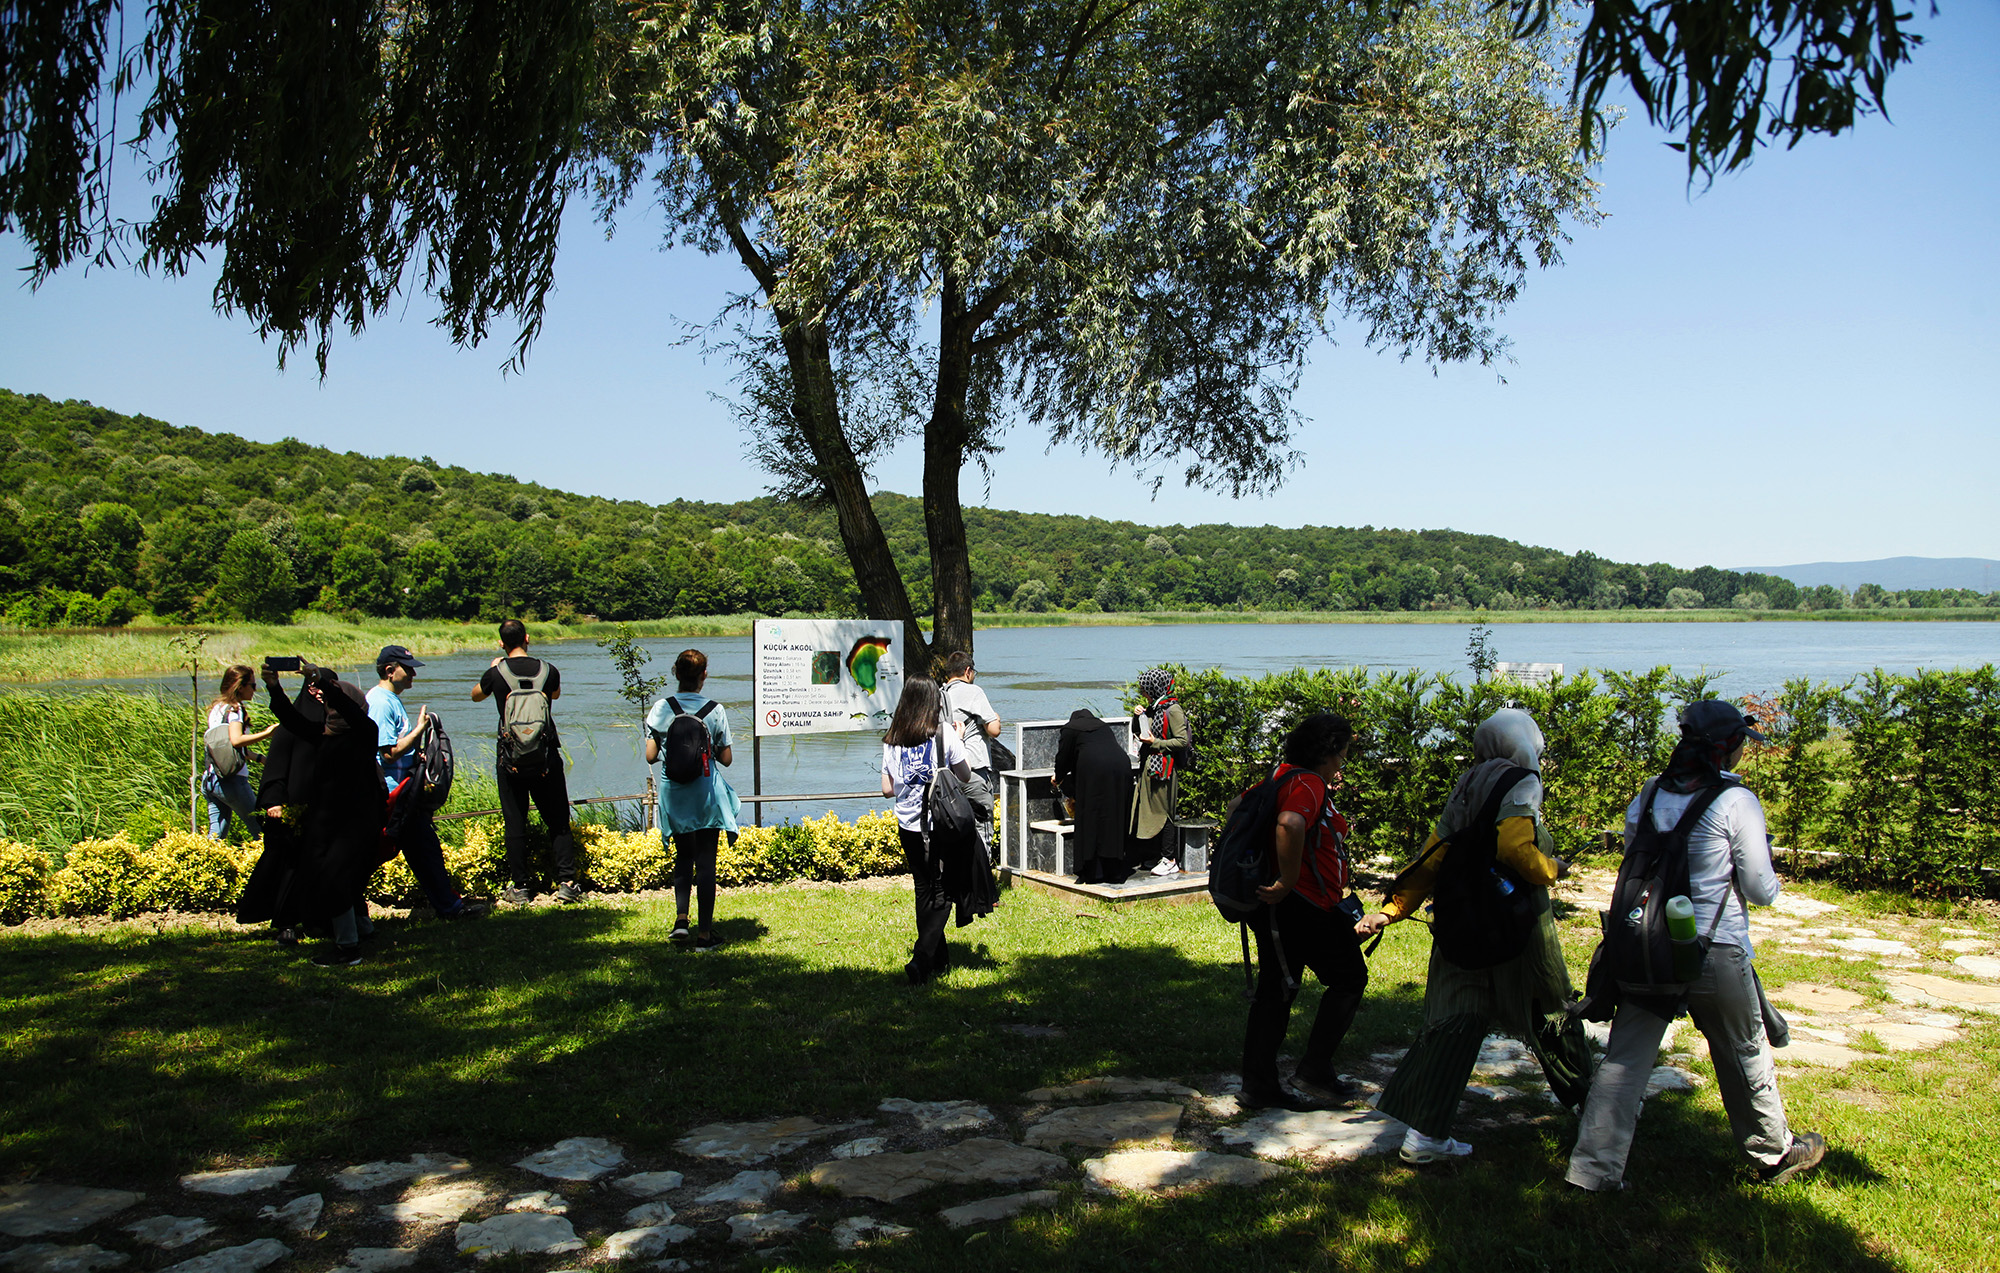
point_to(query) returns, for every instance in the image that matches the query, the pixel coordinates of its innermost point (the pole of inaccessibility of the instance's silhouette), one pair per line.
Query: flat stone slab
(893, 1177)
(1114, 1085)
(746, 1143)
(247, 1258)
(299, 1215)
(438, 1205)
(1830, 1056)
(1220, 1107)
(1503, 1058)
(1817, 998)
(170, 1231)
(1924, 988)
(1965, 945)
(31, 1210)
(1873, 946)
(373, 1175)
(651, 1239)
(1904, 1036)
(526, 1232)
(745, 1187)
(1803, 907)
(1978, 965)
(1154, 1170)
(1006, 1206)
(378, 1259)
(754, 1227)
(578, 1158)
(1323, 1135)
(648, 1215)
(861, 1230)
(940, 1116)
(1106, 1126)
(48, 1257)
(649, 1184)
(861, 1147)
(552, 1204)
(1670, 1078)
(241, 1180)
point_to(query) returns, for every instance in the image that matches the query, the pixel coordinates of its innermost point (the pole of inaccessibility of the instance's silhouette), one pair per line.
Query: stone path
(731, 1187)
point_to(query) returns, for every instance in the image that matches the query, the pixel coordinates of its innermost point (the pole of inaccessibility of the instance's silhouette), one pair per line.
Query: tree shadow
(137, 1057)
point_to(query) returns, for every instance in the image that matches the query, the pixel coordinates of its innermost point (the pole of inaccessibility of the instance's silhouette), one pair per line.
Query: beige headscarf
(1508, 739)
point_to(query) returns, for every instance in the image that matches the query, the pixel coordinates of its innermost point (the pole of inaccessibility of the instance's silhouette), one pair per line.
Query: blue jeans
(230, 795)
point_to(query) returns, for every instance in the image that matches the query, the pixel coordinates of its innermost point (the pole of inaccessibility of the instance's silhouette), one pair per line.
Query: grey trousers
(1726, 1009)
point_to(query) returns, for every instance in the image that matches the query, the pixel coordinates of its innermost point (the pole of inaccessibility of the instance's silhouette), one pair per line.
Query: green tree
(359, 579)
(114, 533)
(254, 579)
(431, 574)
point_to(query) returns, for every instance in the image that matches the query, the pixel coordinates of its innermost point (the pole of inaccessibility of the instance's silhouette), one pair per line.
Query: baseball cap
(398, 654)
(1717, 721)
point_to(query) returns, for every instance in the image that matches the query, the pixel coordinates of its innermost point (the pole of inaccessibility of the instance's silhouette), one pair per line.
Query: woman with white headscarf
(1524, 995)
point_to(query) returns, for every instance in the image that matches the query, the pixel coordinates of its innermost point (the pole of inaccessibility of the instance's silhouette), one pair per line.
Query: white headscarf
(1508, 739)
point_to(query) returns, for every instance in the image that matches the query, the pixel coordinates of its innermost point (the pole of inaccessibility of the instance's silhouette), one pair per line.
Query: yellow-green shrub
(622, 861)
(24, 881)
(188, 872)
(479, 860)
(393, 883)
(823, 848)
(99, 877)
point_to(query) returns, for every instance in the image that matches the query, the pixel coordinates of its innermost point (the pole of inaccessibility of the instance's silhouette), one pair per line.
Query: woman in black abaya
(1093, 770)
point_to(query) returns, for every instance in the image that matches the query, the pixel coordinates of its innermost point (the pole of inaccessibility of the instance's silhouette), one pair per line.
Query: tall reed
(78, 765)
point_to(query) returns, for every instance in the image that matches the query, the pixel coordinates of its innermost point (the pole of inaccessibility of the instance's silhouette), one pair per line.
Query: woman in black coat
(1093, 770)
(324, 794)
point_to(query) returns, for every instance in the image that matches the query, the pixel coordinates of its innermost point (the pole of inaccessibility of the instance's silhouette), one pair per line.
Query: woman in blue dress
(695, 813)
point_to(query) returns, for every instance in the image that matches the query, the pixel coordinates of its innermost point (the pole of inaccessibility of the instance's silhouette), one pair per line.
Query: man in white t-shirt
(966, 706)
(1729, 865)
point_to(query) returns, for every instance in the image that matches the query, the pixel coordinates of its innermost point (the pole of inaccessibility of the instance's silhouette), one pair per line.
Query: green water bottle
(1687, 947)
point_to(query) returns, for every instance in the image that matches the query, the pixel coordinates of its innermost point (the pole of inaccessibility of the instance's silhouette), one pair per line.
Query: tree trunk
(945, 437)
(816, 412)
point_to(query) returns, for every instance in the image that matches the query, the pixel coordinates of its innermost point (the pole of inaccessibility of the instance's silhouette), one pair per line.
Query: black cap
(397, 654)
(1717, 722)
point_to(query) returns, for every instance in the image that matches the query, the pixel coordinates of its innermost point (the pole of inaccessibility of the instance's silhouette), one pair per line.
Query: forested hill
(109, 516)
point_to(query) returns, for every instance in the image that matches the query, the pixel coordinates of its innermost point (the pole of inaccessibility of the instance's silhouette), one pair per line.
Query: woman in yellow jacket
(1524, 996)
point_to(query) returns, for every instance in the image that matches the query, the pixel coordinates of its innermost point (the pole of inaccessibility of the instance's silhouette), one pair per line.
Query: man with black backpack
(530, 762)
(1696, 823)
(412, 826)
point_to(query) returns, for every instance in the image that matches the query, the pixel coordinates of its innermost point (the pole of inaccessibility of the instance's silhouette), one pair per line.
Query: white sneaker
(1419, 1148)
(1165, 867)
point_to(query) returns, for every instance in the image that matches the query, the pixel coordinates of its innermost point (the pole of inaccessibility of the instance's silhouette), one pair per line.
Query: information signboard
(1527, 673)
(822, 676)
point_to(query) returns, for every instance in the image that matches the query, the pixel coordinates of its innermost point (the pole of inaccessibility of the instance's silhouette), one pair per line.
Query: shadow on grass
(133, 1058)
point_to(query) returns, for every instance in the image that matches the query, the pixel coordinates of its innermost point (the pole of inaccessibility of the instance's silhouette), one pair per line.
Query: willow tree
(1124, 224)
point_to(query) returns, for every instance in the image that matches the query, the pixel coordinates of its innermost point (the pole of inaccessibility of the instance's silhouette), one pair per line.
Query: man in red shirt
(1310, 923)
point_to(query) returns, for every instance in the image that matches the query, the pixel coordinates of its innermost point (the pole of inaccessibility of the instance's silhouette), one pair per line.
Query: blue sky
(1796, 364)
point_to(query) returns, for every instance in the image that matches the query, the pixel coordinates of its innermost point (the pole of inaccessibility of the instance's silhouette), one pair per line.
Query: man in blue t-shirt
(396, 739)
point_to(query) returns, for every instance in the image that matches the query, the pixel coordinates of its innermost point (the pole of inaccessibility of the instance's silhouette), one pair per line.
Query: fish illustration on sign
(863, 658)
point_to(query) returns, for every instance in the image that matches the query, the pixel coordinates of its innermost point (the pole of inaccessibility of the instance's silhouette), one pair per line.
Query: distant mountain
(1981, 574)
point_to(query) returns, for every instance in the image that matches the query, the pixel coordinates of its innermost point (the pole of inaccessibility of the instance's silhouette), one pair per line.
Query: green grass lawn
(134, 1053)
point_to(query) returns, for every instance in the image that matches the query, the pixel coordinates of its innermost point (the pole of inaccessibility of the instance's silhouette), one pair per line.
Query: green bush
(187, 872)
(98, 877)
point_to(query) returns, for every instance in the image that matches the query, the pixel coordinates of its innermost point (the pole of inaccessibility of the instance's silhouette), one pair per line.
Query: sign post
(820, 676)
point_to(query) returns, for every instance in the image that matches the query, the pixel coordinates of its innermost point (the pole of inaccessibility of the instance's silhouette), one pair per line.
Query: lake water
(1046, 673)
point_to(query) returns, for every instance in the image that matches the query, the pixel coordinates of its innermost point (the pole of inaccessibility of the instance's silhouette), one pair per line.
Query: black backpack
(1636, 955)
(685, 755)
(435, 766)
(947, 814)
(1245, 859)
(1482, 913)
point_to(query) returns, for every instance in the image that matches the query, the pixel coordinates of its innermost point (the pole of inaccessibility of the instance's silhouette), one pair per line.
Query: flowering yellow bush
(479, 861)
(622, 861)
(188, 872)
(24, 881)
(99, 877)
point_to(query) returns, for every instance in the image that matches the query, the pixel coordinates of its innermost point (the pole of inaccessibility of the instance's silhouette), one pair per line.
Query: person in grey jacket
(1729, 864)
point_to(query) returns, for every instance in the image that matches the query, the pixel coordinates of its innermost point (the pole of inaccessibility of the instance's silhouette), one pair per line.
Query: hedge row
(187, 872)
(1900, 775)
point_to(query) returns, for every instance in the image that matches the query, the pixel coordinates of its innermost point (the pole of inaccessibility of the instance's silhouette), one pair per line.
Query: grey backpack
(225, 759)
(525, 728)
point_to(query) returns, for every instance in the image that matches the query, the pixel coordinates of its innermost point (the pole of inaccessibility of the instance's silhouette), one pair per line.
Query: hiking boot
(1419, 1148)
(517, 896)
(567, 892)
(338, 957)
(1277, 1097)
(1323, 1078)
(1804, 1155)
